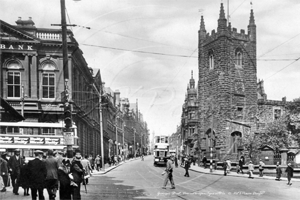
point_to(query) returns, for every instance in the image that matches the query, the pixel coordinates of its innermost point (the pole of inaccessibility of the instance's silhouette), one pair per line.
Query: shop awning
(7, 107)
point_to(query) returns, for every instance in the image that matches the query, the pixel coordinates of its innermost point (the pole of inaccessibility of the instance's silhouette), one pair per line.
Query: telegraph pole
(68, 132)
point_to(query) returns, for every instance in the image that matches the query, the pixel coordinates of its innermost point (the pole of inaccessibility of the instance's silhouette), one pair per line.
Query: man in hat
(14, 163)
(37, 173)
(52, 177)
(169, 174)
(77, 173)
(289, 171)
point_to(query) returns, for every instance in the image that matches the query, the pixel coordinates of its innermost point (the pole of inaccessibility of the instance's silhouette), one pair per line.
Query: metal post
(116, 135)
(101, 126)
(123, 142)
(134, 143)
(101, 131)
(65, 64)
(22, 99)
(211, 145)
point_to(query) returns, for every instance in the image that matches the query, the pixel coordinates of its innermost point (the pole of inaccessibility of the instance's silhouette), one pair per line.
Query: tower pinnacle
(202, 25)
(222, 12)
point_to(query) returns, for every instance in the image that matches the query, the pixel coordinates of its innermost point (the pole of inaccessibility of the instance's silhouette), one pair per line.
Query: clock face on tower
(239, 87)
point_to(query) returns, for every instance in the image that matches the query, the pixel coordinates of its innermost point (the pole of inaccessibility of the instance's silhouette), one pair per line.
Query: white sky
(169, 27)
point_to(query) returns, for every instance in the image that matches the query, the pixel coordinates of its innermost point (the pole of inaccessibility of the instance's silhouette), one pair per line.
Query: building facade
(31, 81)
(227, 87)
(189, 120)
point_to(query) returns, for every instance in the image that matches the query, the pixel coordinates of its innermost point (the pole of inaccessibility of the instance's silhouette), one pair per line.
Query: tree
(276, 133)
(294, 119)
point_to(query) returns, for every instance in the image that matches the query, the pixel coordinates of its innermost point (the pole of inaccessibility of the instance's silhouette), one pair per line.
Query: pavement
(196, 168)
(111, 167)
(9, 194)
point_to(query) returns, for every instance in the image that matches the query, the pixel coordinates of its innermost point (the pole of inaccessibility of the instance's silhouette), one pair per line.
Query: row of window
(238, 59)
(14, 85)
(30, 131)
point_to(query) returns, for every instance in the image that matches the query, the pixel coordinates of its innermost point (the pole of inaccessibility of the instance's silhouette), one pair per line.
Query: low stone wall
(269, 170)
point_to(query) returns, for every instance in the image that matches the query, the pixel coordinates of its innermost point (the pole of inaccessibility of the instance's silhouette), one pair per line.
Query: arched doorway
(235, 141)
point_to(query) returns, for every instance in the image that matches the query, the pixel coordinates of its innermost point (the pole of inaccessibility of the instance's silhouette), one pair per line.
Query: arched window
(238, 57)
(13, 79)
(211, 60)
(48, 78)
(235, 141)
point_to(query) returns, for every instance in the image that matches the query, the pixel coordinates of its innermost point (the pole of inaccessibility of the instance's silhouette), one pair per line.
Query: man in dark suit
(14, 163)
(37, 175)
(52, 177)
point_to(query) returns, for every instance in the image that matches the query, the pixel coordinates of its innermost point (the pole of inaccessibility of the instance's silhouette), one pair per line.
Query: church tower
(227, 87)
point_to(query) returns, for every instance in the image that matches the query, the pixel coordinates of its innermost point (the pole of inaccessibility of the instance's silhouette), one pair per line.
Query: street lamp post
(123, 129)
(117, 135)
(134, 142)
(101, 126)
(211, 144)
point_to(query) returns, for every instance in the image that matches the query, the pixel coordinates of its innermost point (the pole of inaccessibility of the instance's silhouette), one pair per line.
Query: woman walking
(278, 172)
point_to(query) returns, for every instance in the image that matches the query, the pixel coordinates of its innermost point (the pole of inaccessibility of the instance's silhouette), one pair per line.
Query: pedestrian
(169, 173)
(278, 172)
(87, 168)
(176, 161)
(204, 161)
(64, 180)
(261, 168)
(37, 173)
(14, 163)
(98, 163)
(251, 169)
(59, 157)
(289, 171)
(91, 160)
(186, 167)
(2, 186)
(77, 172)
(193, 160)
(241, 164)
(113, 160)
(228, 166)
(225, 167)
(24, 178)
(52, 177)
(4, 173)
(142, 157)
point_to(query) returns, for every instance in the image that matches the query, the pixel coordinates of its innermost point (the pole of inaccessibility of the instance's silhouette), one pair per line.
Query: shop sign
(16, 47)
(21, 140)
(53, 141)
(36, 140)
(6, 140)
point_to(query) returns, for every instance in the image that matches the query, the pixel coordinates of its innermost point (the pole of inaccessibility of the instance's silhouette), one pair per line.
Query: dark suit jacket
(3, 167)
(15, 165)
(37, 172)
(52, 167)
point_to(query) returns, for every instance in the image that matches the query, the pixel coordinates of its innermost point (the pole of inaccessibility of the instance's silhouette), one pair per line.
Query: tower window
(211, 60)
(238, 58)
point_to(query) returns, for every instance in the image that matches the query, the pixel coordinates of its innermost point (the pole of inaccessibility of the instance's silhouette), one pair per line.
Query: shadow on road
(104, 187)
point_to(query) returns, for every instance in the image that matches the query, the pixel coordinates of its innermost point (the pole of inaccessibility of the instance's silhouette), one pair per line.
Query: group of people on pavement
(52, 172)
(227, 167)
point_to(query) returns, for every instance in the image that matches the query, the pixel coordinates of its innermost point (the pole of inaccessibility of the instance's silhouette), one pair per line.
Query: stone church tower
(227, 88)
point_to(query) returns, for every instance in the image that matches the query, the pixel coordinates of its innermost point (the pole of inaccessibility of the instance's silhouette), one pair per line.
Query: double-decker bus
(161, 150)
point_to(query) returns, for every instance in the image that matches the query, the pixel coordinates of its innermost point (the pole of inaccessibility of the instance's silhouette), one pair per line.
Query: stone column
(34, 77)
(26, 79)
(283, 156)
